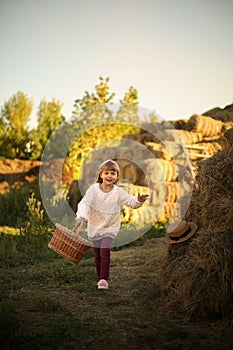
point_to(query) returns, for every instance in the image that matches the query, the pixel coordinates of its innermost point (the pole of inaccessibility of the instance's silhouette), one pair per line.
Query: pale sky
(178, 54)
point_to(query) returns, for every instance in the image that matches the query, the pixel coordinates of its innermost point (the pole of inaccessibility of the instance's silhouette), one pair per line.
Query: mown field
(48, 303)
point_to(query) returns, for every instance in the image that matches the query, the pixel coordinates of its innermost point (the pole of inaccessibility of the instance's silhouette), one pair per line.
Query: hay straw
(207, 126)
(199, 281)
(197, 277)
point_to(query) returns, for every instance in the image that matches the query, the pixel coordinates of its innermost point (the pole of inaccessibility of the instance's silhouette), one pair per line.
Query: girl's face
(109, 177)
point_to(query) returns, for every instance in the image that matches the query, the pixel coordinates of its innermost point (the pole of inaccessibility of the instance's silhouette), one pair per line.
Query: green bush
(13, 207)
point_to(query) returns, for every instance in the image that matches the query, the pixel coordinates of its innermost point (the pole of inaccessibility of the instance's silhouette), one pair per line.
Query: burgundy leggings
(102, 249)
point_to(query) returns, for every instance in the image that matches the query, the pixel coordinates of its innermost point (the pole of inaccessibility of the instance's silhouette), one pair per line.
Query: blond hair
(107, 165)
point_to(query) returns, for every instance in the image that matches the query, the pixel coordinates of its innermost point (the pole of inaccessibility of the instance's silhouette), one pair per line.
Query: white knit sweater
(102, 210)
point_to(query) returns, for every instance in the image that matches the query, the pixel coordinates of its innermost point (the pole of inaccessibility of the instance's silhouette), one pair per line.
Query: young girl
(100, 207)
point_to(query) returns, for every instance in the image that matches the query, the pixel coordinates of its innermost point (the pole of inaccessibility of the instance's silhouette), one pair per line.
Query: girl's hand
(142, 197)
(78, 224)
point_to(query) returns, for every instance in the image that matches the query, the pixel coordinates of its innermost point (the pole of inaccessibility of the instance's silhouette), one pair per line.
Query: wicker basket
(69, 244)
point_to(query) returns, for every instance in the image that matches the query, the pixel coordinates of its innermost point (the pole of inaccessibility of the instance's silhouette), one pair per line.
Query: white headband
(112, 161)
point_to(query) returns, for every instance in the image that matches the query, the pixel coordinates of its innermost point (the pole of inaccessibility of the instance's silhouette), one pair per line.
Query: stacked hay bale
(147, 160)
(197, 275)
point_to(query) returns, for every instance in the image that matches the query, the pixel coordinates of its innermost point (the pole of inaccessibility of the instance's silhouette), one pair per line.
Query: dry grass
(58, 307)
(197, 277)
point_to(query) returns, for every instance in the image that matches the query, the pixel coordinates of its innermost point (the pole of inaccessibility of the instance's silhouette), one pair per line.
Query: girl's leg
(97, 260)
(105, 250)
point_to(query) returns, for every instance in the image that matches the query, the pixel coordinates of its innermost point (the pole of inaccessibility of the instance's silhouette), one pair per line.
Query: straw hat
(180, 232)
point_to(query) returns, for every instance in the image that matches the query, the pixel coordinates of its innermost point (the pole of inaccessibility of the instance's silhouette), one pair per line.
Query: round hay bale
(109, 153)
(97, 154)
(212, 147)
(172, 191)
(130, 173)
(159, 150)
(167, 210)
(128, 138)
(147, 215)
(159, 170)
(88, 172)
(158, 193)
(207, 126)
(129, 170)
(140, 151)
(148, 137)
(74, 194)
(179, 124)
(123, 152)
(227, 125)
(187, 137)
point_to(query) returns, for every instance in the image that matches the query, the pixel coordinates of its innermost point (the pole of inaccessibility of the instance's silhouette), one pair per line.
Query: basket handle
(78, 225)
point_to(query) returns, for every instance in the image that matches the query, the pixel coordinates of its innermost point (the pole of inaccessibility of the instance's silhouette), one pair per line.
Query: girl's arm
(83, 209)
(84, 205)
(133, 202)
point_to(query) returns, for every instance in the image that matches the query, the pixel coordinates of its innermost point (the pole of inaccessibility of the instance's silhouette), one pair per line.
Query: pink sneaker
(102, 284)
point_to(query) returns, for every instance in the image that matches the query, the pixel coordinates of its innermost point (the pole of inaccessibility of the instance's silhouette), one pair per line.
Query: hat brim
(193, 226)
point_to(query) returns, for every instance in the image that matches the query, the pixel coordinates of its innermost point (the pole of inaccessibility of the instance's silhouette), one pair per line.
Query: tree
(14, 131)
(49, 117)
(95, 123)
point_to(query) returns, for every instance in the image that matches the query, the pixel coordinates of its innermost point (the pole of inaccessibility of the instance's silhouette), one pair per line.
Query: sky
(178, 54)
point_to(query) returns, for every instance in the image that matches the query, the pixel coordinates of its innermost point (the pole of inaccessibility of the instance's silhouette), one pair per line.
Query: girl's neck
(106, 188)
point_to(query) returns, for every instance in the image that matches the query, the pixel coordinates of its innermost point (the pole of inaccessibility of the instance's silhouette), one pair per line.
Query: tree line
(92, 122)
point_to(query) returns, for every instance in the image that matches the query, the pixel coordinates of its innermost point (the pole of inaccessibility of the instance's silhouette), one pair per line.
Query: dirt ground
(59, 307)
(16, 171)
(62, 309)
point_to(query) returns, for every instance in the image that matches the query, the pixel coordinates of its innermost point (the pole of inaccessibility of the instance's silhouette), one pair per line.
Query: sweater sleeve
(83, 209)
(129, 200)
(84, 204)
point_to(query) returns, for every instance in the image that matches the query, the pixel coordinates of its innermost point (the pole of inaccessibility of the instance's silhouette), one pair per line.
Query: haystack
(197, 275)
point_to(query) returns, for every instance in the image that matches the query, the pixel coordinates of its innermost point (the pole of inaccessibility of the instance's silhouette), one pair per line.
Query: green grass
(46, 302)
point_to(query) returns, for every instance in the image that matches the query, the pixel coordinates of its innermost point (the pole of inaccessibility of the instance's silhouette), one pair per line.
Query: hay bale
(166, 191)
(212, 147)
(159, 150)
(226, 126)
(207, 126)
(212, 204)
(179, 124)
(109, 153)
(74, 194)
(123, 152)
(204, 149)
(187, 137)
(128, 138)
(97, 154)
(215, 191)
(159, 170)
(140, 151)
(130, 171)
(142, 216)
(88, 172)
(197, 277)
